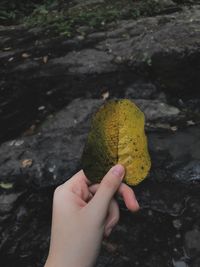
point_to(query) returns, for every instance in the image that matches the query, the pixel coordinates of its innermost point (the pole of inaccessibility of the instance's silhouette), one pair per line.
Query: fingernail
(137, 204)
(118, 170)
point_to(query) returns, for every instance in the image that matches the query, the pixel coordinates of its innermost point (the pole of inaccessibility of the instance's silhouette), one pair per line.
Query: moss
(95, 15)
(66, 22)
(11, 11)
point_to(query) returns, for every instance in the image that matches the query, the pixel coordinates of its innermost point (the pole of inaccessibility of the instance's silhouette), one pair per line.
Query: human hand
(83, 214)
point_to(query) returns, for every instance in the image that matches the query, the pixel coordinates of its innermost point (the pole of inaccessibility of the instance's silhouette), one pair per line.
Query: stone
(7, 202)
(54, 151)
(192, 242)
(88, 61)
(163, 50)
(179, 264)
(155, 110)
(61, 138)
(191, 170)
(141, 90)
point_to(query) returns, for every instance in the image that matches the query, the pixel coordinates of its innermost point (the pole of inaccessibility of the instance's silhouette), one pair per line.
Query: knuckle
(111, 182)
(58, 191)
(108, 183)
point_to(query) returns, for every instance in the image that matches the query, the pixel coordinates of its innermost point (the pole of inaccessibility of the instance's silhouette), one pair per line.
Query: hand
(83, 214)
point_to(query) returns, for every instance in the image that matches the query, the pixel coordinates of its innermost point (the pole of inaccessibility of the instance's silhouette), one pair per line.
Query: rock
(28, 65)
(155, 110)
(179, 264)
(196, 262)
(141, 90)
(177, 224)
(163, 50)
(55, 151)
(29, 220)
(7, 201)
(190, 170)
(88, 61)
(37, 164)
(192, 242)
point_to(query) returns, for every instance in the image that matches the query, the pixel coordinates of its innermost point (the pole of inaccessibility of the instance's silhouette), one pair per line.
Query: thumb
(108, 187)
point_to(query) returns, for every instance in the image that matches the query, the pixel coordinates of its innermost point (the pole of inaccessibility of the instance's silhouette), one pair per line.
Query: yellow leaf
(117, 136)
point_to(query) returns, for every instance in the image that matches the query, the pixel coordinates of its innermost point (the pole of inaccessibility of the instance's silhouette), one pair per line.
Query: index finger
(125, 192)
(129, 197)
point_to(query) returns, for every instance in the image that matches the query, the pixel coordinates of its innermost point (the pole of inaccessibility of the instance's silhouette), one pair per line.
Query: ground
(55, 74)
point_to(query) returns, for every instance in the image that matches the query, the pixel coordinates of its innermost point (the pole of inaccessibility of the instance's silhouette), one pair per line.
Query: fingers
(126, 193)
(78, 185)
(109, 185)
(113, 212)
(76, 178)
(129, 197)
(112, 217)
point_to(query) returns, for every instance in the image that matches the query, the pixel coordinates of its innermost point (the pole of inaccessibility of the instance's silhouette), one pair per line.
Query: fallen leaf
(105, 95)
(26, 163)
(25, 55)
(6, 185)
(45, 59)
(174, 128)
(117, 136)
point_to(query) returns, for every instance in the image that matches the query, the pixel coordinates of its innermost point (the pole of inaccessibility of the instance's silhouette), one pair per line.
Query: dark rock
(190, 170)
(56, 149)
(196, 262)
(88, 61)
(155, 110)
(141, 91)
(163, 50)
(30, 234)
(38, 163)
(180, 264)
(7, 201)
(192, 242)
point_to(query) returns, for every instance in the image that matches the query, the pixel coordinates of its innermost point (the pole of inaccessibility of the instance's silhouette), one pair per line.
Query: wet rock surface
(50, 87)
(38, 68)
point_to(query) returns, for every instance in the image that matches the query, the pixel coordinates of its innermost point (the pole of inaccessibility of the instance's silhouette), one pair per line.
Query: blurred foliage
(66, 17)
(11, 11)
(67, 21)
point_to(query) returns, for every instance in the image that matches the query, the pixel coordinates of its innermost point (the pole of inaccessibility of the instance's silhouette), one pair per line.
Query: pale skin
(83, 214)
